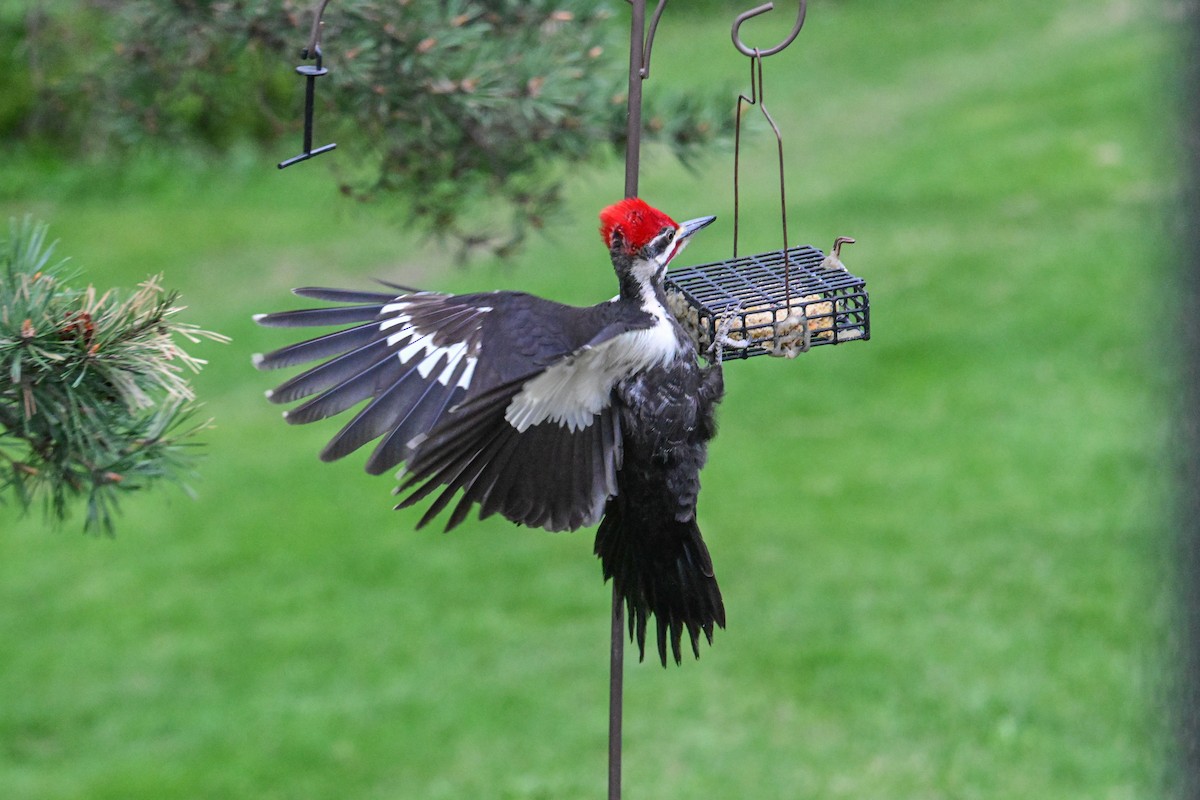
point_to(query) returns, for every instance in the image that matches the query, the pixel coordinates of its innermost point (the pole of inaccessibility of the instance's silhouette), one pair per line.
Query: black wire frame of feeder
(747, 298)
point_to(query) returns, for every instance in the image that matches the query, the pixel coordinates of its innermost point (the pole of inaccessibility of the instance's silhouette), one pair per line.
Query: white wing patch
(573, 391)
(419, 344)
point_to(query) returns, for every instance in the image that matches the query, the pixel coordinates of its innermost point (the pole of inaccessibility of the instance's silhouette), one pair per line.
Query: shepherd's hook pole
(639, 69)
(615, 691)
(633, 142)
(633, 130)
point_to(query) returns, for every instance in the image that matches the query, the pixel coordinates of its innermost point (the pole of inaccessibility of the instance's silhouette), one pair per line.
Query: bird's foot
(716, 351)
(792, 335)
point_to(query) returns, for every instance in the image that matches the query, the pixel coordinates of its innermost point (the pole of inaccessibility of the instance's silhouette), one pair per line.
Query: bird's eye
(663, 240)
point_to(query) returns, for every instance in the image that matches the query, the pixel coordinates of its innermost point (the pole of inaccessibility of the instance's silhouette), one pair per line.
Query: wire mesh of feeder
(775, 304)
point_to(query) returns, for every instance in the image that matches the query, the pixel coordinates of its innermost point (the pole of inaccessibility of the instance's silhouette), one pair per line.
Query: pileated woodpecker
(550, 415)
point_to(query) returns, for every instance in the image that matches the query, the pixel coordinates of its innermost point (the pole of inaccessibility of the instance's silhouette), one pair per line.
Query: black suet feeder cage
(776, 303)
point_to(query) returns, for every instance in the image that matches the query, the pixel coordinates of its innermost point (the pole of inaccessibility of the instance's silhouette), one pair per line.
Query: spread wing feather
(304, 317)
(331, 344)
(395, 447)
(341, 383)
(437, 373)
(347, 295)
(391, 406)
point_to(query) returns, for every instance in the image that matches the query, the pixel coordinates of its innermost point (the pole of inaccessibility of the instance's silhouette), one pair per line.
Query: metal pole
(615, 692)
(637, 63)
(633, 148)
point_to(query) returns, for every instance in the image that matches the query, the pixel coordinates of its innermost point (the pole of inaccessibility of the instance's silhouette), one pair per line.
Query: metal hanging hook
(756, 56)
(755, 52)
(758, 97)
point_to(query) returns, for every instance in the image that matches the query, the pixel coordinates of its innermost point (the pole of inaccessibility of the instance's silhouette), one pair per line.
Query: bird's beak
(693, 225)
(685, 233)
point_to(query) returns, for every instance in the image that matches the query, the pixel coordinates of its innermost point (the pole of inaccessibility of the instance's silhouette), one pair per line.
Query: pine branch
(94, 392)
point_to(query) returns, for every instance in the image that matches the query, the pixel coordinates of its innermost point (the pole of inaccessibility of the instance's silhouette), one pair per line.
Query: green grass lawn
(944, 552)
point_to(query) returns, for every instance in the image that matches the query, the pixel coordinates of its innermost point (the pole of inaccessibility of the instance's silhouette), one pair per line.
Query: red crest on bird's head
(638, 221)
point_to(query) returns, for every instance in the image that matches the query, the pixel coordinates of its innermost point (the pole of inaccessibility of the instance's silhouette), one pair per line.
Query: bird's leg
(712, 388)
(716, 351)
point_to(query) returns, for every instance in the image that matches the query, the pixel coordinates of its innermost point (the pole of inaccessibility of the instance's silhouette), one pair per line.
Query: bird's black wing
(451, 384)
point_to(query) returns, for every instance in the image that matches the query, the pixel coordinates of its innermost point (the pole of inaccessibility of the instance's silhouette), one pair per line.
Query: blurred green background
(945, 552)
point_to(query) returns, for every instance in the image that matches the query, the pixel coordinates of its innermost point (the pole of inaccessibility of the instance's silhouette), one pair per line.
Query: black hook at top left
(310, 74)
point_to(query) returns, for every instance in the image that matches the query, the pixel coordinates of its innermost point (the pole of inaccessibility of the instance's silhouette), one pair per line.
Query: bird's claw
(792, 335)
(716, 351)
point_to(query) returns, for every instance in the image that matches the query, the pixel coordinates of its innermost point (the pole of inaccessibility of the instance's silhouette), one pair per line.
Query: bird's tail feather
(661, 569)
